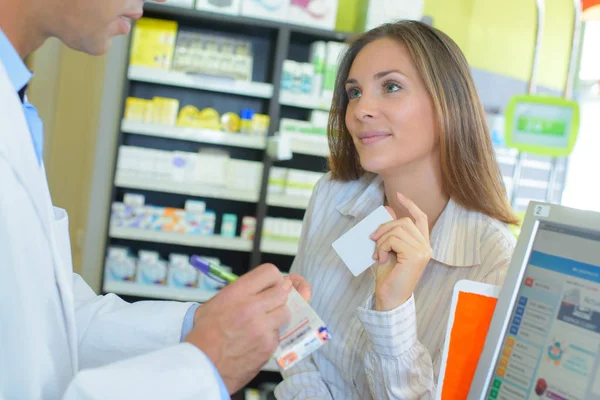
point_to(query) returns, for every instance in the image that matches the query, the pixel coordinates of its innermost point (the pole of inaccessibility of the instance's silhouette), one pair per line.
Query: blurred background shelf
(210, 242)
(158, 292)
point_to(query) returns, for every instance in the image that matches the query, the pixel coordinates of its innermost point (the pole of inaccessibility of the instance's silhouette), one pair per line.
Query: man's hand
(238, 329)
(301, 285)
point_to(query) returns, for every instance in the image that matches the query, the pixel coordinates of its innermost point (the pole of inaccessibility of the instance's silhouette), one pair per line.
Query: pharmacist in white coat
(57, 338)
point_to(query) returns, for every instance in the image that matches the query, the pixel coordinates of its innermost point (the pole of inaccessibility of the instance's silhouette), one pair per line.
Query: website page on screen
(551, 349)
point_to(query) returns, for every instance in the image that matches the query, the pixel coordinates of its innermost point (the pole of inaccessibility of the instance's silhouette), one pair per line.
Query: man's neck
(20, 26)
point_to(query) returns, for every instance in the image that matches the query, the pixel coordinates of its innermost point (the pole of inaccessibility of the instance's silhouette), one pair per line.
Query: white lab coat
(58, 340)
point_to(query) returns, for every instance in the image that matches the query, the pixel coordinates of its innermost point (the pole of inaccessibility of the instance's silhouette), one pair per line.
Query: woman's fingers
(421, 220)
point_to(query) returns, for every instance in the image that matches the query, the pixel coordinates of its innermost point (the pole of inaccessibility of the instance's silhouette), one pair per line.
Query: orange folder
(471, 312)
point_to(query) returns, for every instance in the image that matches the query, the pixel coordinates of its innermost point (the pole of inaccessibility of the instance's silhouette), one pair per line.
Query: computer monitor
(544, 338)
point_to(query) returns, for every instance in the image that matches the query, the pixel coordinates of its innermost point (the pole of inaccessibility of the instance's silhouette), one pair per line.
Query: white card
(355, 247)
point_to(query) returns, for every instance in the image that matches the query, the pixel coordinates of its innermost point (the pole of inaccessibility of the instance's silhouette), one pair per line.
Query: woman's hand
(398, 273)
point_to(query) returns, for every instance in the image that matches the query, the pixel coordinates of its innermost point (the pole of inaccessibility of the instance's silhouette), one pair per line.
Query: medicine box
(315, 13)
(266, 9)
(220, 6)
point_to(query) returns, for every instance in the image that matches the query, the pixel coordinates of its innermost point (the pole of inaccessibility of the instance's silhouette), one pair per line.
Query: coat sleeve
(176, 372)
(109, 329)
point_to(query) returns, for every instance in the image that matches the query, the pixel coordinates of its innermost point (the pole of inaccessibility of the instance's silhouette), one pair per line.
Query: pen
(212, 269)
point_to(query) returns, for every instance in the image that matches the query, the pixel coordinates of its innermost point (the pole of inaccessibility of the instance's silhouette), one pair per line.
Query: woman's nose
(366, 108)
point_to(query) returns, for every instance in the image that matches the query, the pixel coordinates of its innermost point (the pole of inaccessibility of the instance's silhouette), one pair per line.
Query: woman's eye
(391, 87)
(353, 93)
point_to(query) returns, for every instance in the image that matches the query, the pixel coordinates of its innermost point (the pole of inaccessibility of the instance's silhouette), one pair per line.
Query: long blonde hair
(470, 173)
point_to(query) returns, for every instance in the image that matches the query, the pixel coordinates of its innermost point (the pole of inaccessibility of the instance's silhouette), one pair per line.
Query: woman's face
(390, 113)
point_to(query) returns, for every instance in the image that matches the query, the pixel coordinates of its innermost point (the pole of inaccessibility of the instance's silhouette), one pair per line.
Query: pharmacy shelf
(127, 181)
(213, 84)
(158, 292)
(209, 242)
(287, 201)
(273, 246)
(304, 101)
(194, 135)
(312, 145)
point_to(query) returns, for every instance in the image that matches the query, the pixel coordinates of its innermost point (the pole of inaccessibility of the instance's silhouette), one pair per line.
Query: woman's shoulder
(494, 230)
(496, 243)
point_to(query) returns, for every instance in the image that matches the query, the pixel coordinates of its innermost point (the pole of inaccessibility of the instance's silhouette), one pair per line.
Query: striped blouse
(394, 354)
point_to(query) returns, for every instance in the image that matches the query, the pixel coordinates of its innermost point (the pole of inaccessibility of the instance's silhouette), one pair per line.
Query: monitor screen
(542, 124)
(551, 348)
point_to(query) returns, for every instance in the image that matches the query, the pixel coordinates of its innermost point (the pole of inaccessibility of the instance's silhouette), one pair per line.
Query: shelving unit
(273, 43)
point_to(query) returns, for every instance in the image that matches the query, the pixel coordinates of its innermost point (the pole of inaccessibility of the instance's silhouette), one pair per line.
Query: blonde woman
(406, 130)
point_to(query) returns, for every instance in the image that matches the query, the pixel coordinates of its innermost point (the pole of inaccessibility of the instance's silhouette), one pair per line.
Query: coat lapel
(16, 147)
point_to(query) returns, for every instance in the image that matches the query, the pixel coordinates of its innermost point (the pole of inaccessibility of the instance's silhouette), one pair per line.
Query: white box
(277, 180)
(266, 9)
(332, 61)
(318, 53)
(180, 3)
(211, 169)
(301, 183)
(220, 6)
(316, 13)
(378, 12)
(305, 333)
(244, 175)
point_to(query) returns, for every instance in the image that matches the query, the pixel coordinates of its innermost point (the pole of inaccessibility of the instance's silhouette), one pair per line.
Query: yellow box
(165, 110)
(153, 43)
(135, 109)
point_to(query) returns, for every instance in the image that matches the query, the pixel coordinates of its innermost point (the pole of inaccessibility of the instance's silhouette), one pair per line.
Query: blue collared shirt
(19, 76)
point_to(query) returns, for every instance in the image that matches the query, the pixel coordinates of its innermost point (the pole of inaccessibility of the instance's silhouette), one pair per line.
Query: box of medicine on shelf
(248, 227)
(301, 183)
(138, 162)
(317, 56)
(153, 43)
(120, 266)
(315, 13)
(181, 273)
(152, 270)
(219, 6)
(212, 55)
(277, 180)
(377, 12)
(180, 3)
(266, 9)
(229, 225)
(297, 77)
(334, 50)
(287, 125)
(282, 229)
(244, 175)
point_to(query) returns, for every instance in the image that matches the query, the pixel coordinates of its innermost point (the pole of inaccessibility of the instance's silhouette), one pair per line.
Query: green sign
(543, 125)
